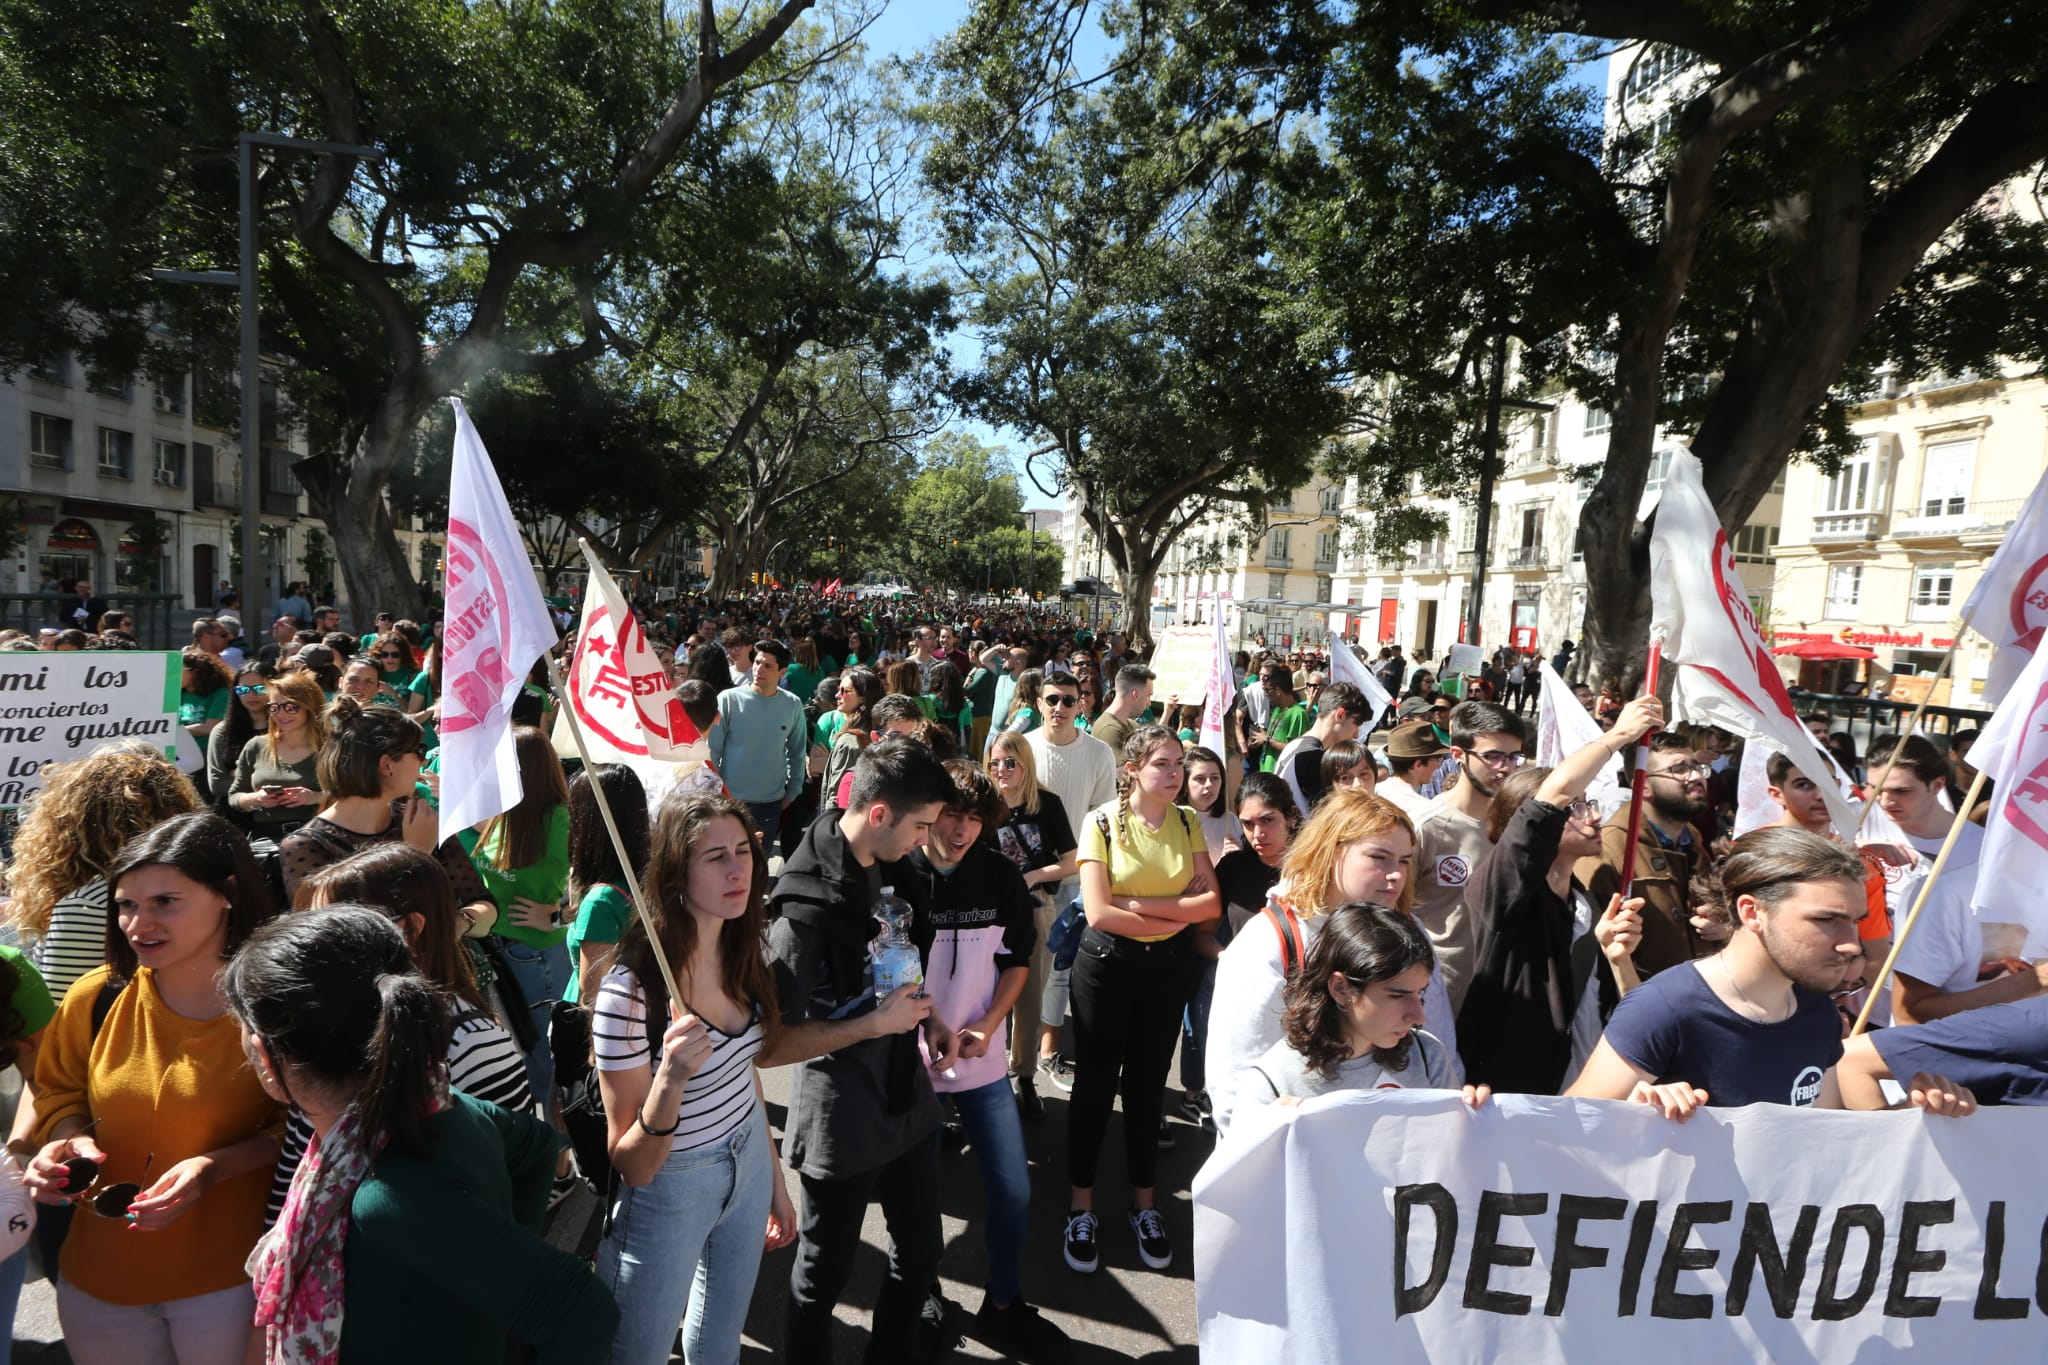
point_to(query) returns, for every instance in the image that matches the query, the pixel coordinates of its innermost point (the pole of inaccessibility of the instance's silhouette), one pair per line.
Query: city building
(1277, 566)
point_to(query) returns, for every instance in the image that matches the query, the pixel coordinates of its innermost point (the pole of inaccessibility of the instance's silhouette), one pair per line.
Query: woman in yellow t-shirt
(1145, 878)
(142, 1085)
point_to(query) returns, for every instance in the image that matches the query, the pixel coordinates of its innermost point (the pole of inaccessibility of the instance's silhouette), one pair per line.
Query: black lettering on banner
(1784, 1271)
(1413, 1299)
(2041, 1271)
(1665, 1300)
(1639, 1233)
(1990, 1304)
(1488, 1250)
(1910, 1259)
(1829, 1305)
(1570, 1253)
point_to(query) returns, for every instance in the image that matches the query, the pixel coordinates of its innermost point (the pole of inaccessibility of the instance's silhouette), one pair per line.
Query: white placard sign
(55, 708)
(1399, 1226)
(1182, 663)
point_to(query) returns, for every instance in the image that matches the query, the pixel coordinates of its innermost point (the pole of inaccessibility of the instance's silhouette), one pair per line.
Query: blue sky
(901, 29)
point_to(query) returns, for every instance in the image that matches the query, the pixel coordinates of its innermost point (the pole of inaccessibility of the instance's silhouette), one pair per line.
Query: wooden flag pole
(1912, 724)
(1626, 977)
(1955, 830)
(611, 825)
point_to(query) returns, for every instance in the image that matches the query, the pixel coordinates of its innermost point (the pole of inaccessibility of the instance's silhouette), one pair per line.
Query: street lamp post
(245, 280)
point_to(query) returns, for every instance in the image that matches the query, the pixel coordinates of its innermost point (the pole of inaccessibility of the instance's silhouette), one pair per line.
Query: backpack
(1063, 939)
(1286, 928)
(582, 1102)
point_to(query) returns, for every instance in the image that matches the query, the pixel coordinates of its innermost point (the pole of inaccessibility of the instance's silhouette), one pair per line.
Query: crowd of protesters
(302, 1069)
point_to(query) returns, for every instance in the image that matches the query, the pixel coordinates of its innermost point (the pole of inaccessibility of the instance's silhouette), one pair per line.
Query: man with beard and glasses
(1663, 859)
(1754, 1023)
(1450, 834)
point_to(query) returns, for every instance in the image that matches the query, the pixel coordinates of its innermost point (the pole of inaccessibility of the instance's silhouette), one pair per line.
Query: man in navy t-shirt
(1998, 1054)
(1753, 1024)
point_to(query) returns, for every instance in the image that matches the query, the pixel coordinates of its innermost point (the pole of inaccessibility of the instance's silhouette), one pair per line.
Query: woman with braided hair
(1145, 879)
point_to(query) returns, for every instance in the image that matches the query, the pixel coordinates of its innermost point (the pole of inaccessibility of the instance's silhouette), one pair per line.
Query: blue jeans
(768, 819)
(989, 1113)
(13, 1274)
(543, 974)
(685, 1248)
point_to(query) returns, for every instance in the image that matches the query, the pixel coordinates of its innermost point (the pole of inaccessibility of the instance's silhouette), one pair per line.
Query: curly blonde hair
(78, 823)
(1343, 818)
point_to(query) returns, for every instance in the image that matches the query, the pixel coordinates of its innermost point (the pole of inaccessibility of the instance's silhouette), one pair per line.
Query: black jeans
(828, 1235)
(1127, 999)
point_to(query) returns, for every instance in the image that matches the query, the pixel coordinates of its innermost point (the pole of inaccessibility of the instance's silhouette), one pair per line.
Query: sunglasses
(285, 708)
(389, 654)
(997, 765)
(82, 1183)
(1060, 699)
(250, 689)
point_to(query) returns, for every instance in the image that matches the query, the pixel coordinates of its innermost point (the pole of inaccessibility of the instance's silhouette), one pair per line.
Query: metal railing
(1868, 719)
(162, 619)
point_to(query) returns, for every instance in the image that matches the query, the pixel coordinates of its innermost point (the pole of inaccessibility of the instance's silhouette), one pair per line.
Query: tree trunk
(373, 564)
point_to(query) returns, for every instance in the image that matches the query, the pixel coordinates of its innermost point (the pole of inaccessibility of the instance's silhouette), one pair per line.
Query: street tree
(536, 158)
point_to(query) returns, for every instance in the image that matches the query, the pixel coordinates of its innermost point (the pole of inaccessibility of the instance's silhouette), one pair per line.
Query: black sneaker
(1167, 1140)
(1060, 1072)
(1153, 1248)
(1196, 1107)
(1083, 1256)
(1030, 1107)
(1020, 1332)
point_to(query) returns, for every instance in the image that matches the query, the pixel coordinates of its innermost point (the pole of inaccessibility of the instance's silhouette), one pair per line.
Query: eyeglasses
(250, 689)
(285, 708)
(1059, 699)
(1583, 810)
(1001, 765)
(1684, 772)
(1494, 758)
(1080, 663)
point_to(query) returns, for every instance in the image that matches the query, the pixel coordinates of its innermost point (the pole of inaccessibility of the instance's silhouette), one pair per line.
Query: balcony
(1979, 519)
(1529, 462)
(1835, 528)
(1429, 561)
(1529, 557)
(1930, 611)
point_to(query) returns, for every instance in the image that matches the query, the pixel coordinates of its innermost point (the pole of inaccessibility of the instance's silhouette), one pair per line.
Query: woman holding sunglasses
(1531, 1015)
(150, 1116)
(248, 716)
(277, 777)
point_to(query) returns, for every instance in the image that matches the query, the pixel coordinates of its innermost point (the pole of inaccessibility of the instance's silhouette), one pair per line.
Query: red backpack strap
(1287, 928)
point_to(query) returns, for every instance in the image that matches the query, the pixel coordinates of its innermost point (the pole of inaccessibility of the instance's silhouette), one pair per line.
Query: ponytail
(334, 996)
(402, 1077)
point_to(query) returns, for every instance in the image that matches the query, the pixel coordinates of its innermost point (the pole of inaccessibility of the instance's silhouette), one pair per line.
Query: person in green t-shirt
(205, 687)
(1289, 719)
(601, 885)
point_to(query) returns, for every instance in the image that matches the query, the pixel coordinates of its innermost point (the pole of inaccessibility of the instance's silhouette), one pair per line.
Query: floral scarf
(296, 1266)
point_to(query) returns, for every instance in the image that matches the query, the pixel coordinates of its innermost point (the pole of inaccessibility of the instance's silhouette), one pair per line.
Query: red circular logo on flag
(2030, 605)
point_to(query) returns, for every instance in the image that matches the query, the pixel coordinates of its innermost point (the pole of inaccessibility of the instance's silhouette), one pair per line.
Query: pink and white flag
(1726, 676)
(2009, 605)
(2013, 866)
(1221, 688)
(495, 626)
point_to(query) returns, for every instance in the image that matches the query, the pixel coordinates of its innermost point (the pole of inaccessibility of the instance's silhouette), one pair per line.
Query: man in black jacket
(863, 1121)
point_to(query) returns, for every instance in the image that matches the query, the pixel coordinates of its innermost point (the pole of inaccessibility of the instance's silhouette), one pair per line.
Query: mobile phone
(272, 788)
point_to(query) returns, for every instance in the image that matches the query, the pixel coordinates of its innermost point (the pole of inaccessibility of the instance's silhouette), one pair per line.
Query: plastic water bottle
(892, 956)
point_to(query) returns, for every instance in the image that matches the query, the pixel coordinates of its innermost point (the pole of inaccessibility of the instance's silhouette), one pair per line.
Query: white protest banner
(1181, 663)
(1346, 667)
(55, 708)
(1217, 689)
(495, 627)
(2013, 864)
(2009, 605)
(1464, 659)
(1399, 1226)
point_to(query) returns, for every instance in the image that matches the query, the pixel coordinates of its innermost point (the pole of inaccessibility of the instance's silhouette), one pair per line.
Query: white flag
(1563, 727)
(1725, 675)
(1222, 690)
(494, 628)
(2012, 868)
(2009, 606)
(1345, 666)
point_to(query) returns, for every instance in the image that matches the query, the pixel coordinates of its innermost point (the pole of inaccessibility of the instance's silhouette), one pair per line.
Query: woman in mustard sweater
(142, 1088)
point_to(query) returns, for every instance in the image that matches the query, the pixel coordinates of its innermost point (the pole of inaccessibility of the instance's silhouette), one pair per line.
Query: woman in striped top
(71, 833)
(700, 1183)
(413, 888)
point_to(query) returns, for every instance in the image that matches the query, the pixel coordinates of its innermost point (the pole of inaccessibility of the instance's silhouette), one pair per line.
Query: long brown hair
(743, 969)
(303, 688)
(400, 880)
(1364, 944)
(518, 838)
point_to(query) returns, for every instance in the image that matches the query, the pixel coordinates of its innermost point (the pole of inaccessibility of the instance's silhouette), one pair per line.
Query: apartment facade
(1276, 572)
(1884, 552)
(136, 484)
